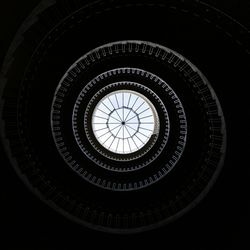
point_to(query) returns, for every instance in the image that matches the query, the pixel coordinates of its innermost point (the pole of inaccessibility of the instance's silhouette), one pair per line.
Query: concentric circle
(124, 121)
(56, 85)
(155, 144)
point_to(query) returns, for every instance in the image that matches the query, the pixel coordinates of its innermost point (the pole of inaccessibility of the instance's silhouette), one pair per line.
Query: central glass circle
(130, 126)
(124, 121)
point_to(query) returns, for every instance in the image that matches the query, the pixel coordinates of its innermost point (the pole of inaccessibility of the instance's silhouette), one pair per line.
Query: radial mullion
(132, 108)
(114, 108)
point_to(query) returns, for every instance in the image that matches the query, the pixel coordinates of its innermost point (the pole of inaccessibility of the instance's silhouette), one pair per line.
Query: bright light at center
(124, 121)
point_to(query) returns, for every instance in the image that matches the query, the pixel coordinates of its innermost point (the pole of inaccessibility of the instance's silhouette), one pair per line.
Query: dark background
(221, 221)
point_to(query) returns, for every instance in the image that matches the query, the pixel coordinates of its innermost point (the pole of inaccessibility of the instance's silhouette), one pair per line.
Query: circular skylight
(124, 121)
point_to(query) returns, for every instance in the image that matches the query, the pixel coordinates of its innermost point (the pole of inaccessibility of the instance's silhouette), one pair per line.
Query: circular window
(124, 121)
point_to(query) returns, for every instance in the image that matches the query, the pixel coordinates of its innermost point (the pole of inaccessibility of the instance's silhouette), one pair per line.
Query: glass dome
(123, 121)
